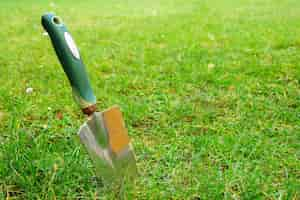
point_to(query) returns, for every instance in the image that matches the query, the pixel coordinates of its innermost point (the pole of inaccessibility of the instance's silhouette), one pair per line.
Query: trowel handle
(69, 57)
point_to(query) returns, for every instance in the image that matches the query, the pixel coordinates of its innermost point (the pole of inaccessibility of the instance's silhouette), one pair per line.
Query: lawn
(209, 89)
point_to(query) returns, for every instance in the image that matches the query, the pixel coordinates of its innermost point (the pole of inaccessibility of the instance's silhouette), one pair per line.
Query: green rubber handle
(69, 57)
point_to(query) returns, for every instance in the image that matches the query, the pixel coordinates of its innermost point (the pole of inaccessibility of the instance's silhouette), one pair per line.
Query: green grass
(209, 89)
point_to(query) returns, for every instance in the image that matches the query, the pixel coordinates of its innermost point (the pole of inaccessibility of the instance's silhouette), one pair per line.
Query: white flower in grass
(29, 90)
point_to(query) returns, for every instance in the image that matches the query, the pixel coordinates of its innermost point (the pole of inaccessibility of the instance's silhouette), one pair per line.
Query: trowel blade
(105, 138)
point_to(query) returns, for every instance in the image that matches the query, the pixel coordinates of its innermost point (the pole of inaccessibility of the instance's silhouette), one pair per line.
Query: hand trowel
(103, 134)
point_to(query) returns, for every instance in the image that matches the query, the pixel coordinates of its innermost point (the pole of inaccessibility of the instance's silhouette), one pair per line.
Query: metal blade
(112, 166)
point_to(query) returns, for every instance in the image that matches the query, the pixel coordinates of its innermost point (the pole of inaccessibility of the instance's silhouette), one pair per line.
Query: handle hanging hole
(56, 20)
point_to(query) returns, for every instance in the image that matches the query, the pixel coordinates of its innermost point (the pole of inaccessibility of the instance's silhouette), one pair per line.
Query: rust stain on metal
(89, 110)
(114, 123)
